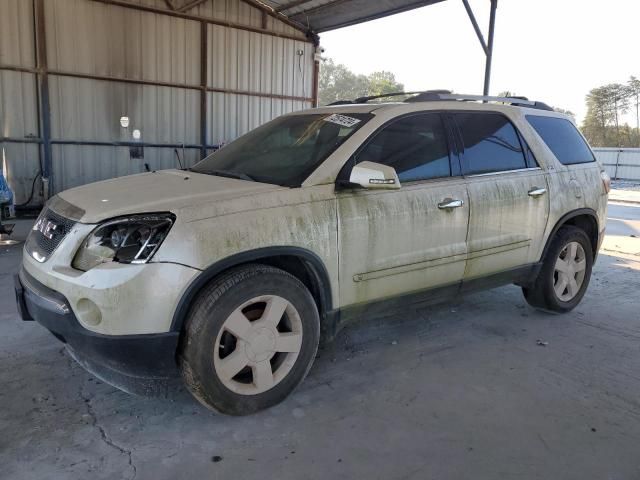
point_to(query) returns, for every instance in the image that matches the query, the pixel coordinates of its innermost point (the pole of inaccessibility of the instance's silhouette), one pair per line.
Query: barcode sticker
(342, 120)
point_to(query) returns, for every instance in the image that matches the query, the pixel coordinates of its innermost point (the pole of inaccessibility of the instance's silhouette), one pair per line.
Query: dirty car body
(360, 207)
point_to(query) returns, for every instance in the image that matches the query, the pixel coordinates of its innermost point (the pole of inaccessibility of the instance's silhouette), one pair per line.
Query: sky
(549, 50)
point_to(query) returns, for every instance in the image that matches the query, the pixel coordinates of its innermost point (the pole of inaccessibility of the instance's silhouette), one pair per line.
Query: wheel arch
(299, 262)
(584, 218)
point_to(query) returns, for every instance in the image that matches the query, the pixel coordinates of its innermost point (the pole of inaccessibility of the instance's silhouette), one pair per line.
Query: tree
(599, 117)
(337, 82)
(569, 113)
(634, 93)
(618, 102)
(383, 82)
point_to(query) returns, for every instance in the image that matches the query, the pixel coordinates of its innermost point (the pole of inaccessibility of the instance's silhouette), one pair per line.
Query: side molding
(313, 262)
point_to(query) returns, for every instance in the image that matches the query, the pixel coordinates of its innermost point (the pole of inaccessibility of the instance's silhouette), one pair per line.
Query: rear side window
(491, 144)
(416, 146)
(562, 138)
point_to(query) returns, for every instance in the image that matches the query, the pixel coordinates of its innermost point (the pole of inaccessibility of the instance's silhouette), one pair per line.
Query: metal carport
(190, 74)
(317, 16)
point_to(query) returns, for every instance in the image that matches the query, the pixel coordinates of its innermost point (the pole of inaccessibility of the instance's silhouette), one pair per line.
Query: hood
(160, 191)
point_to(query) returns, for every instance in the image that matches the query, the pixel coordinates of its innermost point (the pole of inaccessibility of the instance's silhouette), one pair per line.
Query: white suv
(230, 272)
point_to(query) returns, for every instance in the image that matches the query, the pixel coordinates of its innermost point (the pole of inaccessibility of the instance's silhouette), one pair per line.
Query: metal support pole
(476, 27)
(492, 25)
(615, 174)
(316, 80)
(204, 62)
(43, 94)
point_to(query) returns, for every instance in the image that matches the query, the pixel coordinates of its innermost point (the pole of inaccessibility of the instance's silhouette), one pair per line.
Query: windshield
(284, 151)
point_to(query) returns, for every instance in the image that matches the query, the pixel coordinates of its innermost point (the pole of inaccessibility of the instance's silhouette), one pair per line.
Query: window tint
(491, 143)
(415, 146)
(562, 137)
(286, 150)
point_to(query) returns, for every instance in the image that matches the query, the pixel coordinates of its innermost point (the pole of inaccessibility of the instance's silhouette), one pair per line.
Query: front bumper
(142, 364)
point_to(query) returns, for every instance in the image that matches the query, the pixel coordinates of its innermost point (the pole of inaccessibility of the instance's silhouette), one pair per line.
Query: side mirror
(371, 175)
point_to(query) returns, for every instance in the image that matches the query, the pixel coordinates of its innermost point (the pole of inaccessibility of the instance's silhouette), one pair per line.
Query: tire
(246, 317)
(543, 293)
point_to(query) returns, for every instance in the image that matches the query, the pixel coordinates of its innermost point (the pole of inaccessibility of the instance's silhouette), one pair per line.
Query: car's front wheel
(250, 339)
(565, 273)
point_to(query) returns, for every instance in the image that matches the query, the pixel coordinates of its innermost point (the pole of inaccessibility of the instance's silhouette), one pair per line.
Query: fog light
(88, 312)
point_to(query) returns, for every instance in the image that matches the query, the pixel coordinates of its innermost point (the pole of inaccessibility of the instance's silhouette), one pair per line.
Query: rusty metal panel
(231, 115)
(20, 164)
(76, 165)
(240, 60)
(16, 33)
(120, 46)
(84, 109)
(19, 121)
(100, 39)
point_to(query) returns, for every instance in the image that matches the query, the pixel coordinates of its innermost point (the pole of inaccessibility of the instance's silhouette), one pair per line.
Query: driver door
(397, 242)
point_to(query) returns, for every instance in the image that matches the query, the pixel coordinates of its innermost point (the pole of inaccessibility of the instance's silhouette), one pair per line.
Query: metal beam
(283, 18)
(472, 17)
(137, 81)
(290, 5)
(43, 94)
(190, 5)
(492, 26)
(212, 21)
(204, 56)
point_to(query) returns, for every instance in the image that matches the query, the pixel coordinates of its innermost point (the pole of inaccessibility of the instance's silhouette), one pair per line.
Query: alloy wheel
(569, 272)
(258, 345)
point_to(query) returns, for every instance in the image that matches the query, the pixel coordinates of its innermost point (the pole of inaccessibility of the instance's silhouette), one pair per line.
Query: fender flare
(563, 220)
(315, 266)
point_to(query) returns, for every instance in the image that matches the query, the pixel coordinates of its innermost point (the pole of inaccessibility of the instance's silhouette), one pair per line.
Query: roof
(320, 16)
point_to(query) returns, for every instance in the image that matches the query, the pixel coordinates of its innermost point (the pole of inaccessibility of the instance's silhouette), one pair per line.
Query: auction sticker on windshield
(342, 120)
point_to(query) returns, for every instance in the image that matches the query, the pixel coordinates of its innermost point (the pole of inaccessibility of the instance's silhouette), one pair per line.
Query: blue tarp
(6, 195)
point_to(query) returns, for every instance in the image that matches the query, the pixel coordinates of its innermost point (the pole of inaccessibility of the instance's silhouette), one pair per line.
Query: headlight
(132, 239)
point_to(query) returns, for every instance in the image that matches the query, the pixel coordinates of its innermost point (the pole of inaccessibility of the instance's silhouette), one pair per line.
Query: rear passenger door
(395, 242)
(508, 194)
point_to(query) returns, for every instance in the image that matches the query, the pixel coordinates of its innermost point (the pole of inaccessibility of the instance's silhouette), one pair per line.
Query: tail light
(606, 181)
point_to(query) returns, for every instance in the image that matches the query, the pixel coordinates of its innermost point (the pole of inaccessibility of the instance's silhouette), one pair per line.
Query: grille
(38, 245)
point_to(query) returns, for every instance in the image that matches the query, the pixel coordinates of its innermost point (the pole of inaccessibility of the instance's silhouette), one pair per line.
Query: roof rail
(440, 95)
(515, 101)
(386, 95)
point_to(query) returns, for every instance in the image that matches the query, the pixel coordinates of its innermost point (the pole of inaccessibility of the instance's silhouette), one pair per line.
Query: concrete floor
(457, 391)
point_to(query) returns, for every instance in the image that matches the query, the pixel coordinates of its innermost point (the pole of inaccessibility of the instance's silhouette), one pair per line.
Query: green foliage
(337, 82)
(605, 105)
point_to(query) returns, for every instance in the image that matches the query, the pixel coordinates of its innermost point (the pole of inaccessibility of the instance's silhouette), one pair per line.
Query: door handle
(537, 192)
(450, 203)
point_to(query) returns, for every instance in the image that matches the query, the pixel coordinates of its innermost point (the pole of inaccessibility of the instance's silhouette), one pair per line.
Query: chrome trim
(530, 169)
(41, 295)
(449, 203)
(537, 192)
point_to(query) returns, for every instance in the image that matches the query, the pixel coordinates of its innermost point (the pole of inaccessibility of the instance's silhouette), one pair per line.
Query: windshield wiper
(228, 174)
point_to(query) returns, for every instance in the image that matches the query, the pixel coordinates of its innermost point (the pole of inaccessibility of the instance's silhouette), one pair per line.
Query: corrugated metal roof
(323, 15)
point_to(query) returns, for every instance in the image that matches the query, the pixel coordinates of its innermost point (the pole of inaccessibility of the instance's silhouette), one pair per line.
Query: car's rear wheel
(565, 273)
(250, 339)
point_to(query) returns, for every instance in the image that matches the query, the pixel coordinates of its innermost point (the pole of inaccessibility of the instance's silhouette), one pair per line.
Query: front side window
(491, 143)
(562, 137)
(284, 151)
(416, 146)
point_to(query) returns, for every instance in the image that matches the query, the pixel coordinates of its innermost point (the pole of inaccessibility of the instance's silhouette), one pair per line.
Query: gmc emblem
(46, 227)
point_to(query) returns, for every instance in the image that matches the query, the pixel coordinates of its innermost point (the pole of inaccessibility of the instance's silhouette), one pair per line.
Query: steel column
(43, 95)
(204, 56)
(492, 25)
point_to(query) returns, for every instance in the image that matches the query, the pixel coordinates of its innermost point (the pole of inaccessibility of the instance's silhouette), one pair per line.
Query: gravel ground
(484, 388)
